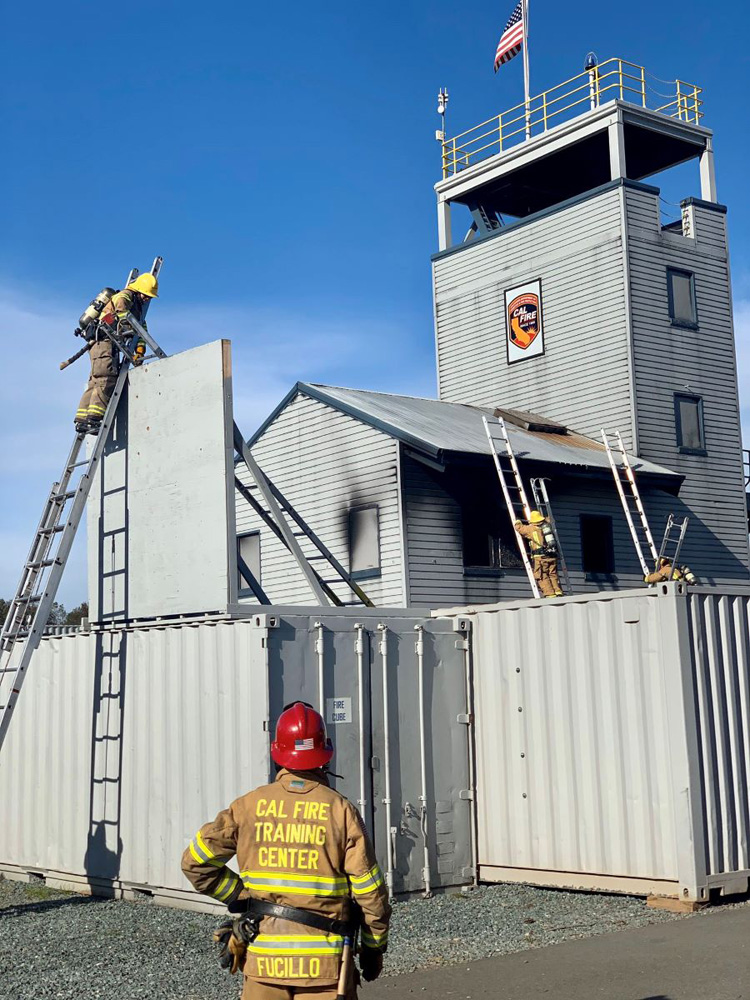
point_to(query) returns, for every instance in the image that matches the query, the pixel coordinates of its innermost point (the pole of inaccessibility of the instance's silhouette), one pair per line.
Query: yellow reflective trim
(195, 854)
(202, 845)
(328, 938)
(273, 875)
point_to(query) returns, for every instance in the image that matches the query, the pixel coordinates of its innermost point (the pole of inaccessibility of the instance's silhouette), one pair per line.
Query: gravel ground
(59, 944)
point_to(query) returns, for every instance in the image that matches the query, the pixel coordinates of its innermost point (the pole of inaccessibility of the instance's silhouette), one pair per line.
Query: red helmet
(301, 743)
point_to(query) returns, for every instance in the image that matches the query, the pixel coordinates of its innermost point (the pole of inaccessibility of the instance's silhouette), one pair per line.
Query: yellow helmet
(146, 284)
(536, 517)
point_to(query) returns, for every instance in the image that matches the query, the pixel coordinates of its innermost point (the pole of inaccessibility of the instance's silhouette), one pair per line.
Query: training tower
(568, 296)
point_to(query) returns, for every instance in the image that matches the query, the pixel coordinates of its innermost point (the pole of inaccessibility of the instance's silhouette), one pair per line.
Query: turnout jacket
(116, 311)
(534, 535)
(299, 843)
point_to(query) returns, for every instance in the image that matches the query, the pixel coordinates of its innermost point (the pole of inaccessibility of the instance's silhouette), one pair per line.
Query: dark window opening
(364, 542)
(688, 415)
(597, 544)
(248, 552)
(488, 538)
(681, 294)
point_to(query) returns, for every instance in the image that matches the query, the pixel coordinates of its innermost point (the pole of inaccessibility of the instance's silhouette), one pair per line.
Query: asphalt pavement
(706, 956)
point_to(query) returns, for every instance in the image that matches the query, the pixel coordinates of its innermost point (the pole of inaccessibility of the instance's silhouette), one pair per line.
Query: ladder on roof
(630, 498)
(273, 515)
(512, 486)
(31, 605)
(542, 504)
(674, 536)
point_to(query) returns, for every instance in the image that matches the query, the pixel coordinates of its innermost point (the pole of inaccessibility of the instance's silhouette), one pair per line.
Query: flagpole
(527, 96)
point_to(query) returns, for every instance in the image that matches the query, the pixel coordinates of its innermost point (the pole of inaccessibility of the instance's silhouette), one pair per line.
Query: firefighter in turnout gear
(111, 310)
(543, 550)
(307, 875)
(666, 571)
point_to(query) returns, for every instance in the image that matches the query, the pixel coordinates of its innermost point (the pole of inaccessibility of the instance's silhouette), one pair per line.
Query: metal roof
(439, 429)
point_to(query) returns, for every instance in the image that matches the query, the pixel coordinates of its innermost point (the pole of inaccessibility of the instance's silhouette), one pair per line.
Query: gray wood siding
(577, 252)
(326, 462)
(435, 549)
(671, 359)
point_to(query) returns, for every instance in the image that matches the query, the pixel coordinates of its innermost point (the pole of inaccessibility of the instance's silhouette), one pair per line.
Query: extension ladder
(514, 493)
(674, 536)
(542, 504)
(30, 607)
(630, 498)
(273, 516)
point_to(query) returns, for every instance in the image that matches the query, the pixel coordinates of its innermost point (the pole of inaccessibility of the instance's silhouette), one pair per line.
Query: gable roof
(440, 430)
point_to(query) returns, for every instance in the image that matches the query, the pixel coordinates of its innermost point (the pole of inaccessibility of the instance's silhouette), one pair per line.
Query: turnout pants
(101, 381)
(267, 991)
(545, 574)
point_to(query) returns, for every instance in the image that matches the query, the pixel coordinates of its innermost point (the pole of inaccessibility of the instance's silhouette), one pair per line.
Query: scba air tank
(94, 309)
(549, 536)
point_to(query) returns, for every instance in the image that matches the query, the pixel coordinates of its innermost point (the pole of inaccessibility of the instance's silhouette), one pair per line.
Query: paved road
(705, 957)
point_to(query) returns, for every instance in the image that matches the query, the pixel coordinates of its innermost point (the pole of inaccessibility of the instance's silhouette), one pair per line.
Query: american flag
(308, 744)
(512, 38)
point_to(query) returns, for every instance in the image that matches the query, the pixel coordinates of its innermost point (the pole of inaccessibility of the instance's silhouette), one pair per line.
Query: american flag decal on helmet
(308, 744)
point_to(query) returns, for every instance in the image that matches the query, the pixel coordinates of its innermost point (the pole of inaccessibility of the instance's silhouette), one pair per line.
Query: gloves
(232, 950)
(371, 963)
(139, 353)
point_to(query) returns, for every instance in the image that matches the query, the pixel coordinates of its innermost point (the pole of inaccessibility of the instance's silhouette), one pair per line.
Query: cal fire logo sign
(523, 320)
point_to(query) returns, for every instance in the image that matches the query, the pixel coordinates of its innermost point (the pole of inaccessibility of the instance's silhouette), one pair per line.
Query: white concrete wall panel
(166, 508)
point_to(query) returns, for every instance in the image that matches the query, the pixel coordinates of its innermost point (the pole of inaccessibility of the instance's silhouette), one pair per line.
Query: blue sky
(282, 159)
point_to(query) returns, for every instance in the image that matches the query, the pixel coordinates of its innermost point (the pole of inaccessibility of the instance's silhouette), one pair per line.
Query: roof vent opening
(530, 421)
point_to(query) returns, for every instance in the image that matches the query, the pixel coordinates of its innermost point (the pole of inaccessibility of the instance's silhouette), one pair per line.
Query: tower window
(248, 553)
(681, 293)
(597, 544)
(364, 542)
(688, 416)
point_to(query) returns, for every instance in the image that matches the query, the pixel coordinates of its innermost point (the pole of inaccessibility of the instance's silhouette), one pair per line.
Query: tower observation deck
(613, 121)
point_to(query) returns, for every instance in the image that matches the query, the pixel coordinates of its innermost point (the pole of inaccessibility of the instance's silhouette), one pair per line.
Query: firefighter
(665, 571)
(305, 861)
(104, 354)
(543, 551)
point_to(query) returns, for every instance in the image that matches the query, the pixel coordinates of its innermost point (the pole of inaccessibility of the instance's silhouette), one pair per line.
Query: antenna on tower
(442, 104)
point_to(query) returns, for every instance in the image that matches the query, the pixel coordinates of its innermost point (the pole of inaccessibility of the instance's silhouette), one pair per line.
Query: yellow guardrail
(610, 80)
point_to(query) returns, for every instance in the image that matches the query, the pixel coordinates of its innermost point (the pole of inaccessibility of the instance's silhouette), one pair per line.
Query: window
(248, 552)
(488, 536)
(364, 542)
(681, 293)
(597, 545)
(688, 417)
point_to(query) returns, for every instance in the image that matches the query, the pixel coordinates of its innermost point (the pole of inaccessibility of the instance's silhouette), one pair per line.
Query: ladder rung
(77, 465)
(41, 564)
(62, 497)
(31, 599)
(52, 531)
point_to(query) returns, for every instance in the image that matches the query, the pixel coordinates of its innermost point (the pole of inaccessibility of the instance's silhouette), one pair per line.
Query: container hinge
(461, 625)
(462, 644)
(468, 873)
(465, 718)
(466, 794)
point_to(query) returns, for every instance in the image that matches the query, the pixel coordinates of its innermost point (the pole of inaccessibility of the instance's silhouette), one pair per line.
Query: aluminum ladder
(630, 498)
(518, 508)
(542, 504)
(674, 536)
(30, 608)
(273, 515)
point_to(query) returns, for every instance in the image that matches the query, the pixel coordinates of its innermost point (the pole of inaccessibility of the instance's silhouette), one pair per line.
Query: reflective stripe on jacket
(534, 534)
(299, 843)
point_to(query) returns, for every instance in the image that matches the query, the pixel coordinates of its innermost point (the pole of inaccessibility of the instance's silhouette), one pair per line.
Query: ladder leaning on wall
(635, 512)
(543, 505)
(512, 486)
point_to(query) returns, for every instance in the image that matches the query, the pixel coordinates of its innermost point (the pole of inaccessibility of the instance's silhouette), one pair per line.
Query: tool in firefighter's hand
(347, 968)
(76, 356)
(371, 963)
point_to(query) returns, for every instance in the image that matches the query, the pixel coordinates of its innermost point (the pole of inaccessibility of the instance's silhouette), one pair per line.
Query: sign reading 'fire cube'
(524, 331)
